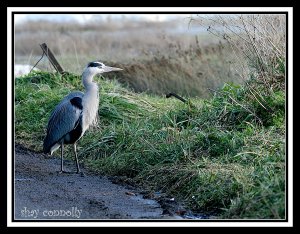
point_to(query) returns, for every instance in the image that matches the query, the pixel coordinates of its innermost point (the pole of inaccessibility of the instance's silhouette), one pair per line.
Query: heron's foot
(80, 173)
(64, 172)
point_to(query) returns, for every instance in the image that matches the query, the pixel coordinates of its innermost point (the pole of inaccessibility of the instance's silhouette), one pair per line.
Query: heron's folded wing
(63, 120)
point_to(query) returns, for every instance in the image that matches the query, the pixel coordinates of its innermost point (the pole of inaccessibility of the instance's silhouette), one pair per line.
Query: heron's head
(98, 67)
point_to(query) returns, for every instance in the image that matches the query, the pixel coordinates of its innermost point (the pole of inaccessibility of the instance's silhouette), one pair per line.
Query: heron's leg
(77, 164)
(62, 157)
(76, 158)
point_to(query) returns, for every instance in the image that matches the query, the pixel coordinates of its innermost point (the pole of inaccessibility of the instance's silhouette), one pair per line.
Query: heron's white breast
(90, 103)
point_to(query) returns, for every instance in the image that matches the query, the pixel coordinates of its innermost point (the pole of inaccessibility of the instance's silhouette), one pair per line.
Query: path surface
(42, 193)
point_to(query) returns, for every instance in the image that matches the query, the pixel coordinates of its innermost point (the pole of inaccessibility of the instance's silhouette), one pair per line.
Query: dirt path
(42, 193)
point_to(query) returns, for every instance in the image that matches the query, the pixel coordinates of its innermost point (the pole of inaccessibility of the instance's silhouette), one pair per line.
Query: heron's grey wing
(66, 99)
(63, 119)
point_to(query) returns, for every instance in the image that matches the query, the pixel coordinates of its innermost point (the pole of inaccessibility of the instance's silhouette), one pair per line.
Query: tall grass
(261, 39)
(155, 57)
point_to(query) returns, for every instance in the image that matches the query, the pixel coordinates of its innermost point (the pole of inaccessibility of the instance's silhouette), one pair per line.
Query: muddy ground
(42, 193)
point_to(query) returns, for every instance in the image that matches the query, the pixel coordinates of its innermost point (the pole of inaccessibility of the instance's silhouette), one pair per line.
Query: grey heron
(75, 113)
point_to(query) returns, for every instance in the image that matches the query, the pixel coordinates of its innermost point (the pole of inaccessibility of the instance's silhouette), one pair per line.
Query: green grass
(224, 155)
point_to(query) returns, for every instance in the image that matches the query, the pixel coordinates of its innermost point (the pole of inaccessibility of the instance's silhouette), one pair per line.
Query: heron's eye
(94, 64)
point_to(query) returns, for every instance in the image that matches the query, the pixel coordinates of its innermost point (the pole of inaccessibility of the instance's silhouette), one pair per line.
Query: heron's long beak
(109, 69)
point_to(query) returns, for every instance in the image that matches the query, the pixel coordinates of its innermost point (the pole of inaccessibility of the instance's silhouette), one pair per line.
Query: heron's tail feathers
(50, 147)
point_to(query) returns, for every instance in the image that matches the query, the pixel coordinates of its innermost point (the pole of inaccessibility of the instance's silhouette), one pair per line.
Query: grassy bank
(226, 154)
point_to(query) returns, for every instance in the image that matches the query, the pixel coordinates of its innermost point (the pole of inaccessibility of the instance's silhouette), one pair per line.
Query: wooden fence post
(52, 59)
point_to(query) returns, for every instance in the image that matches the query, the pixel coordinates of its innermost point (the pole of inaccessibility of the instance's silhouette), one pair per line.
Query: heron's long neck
(90, 101)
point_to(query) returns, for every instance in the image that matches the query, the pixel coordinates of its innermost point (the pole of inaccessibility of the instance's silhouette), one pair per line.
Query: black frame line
(145, 220)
